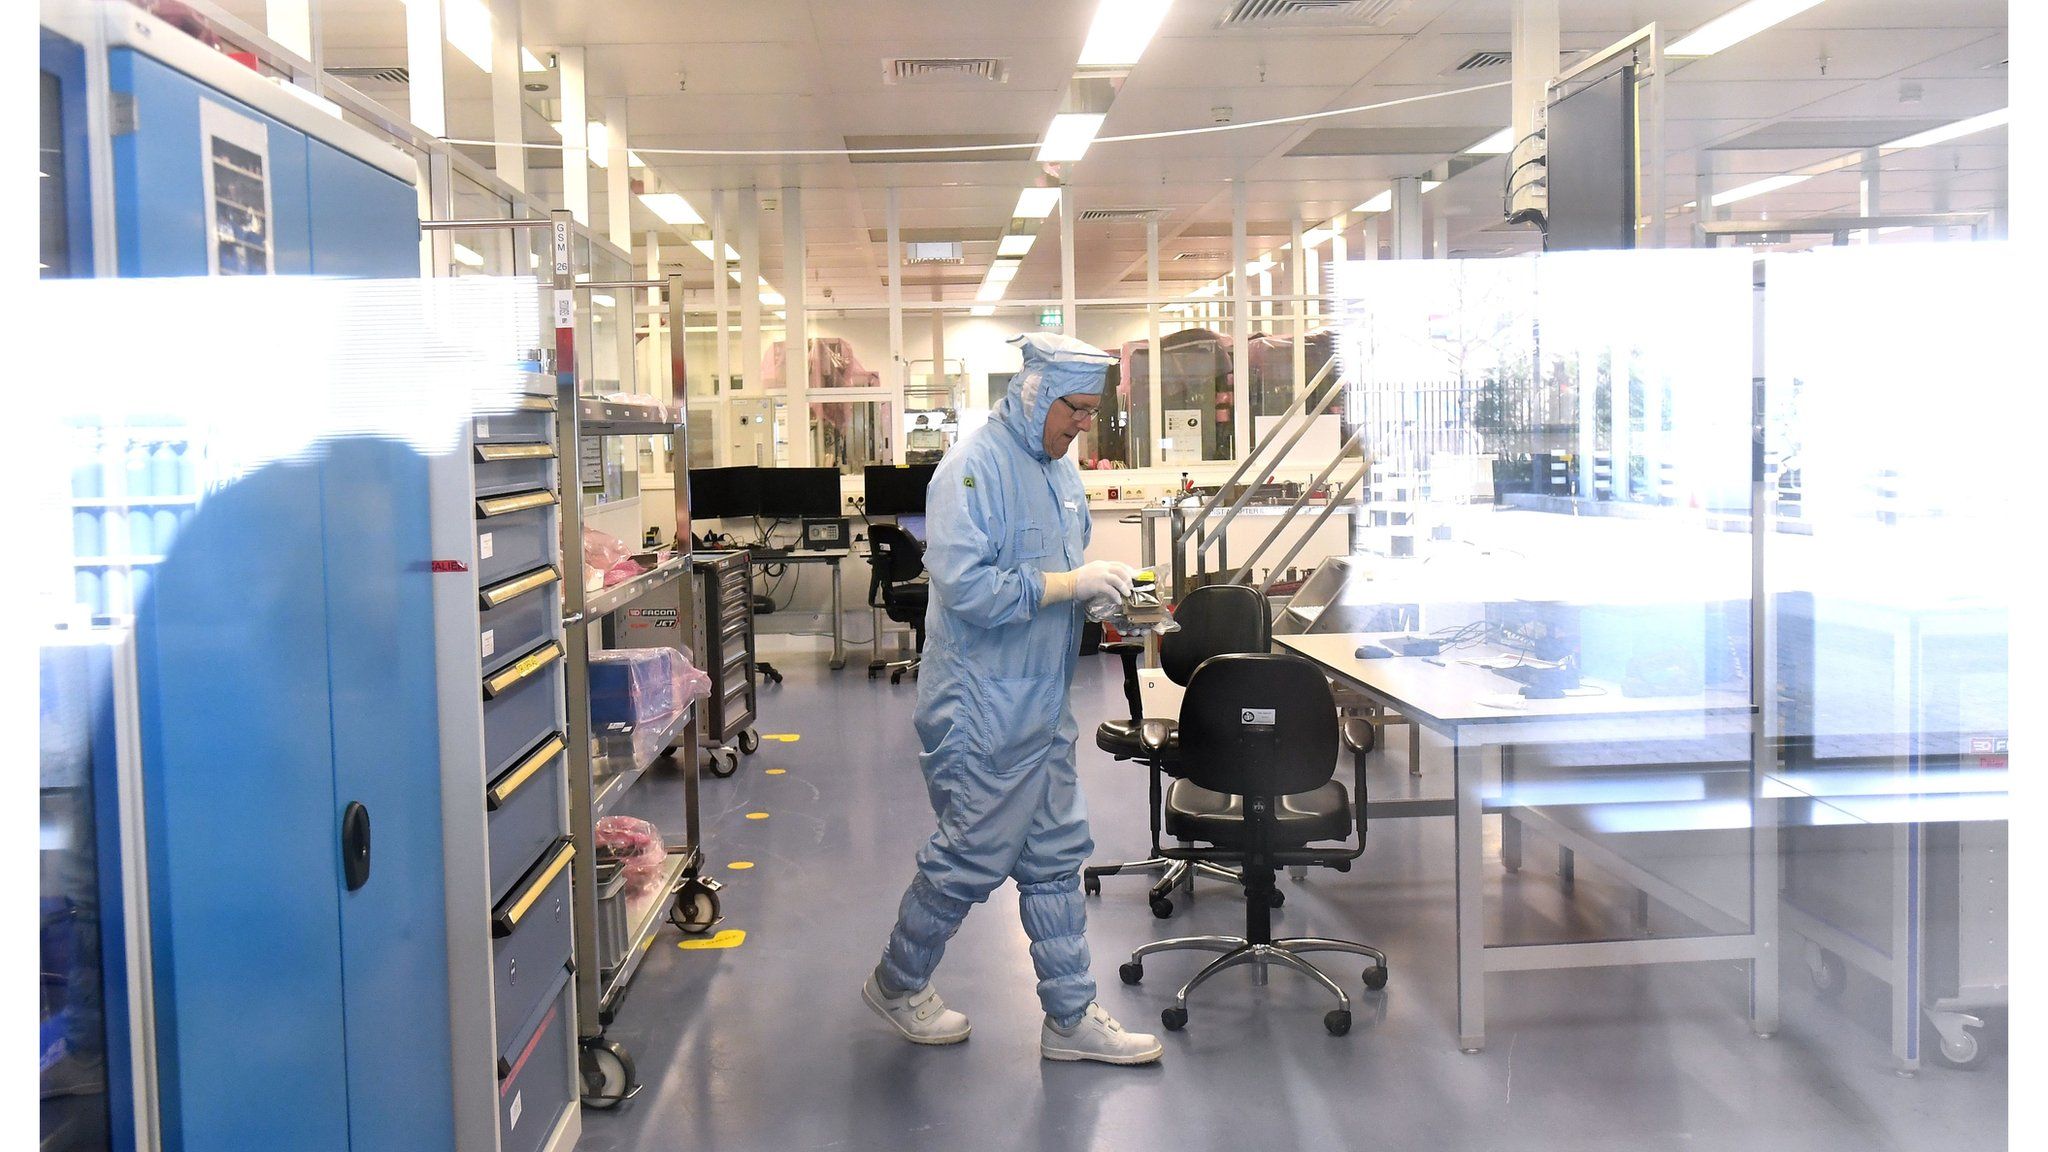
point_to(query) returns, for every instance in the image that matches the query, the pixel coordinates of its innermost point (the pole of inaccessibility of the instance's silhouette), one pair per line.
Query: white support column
(1340, 242)
(618, 179)
(426, 90)
(1067, 214)
(1155, 417)
(750, 301)
(575, 136)
(1240, 326)
(508, 103)
(1440, 239)
(1407, 219)
(797, 359)
(1703, 196)
(1868, 191)
(721, 304)
(899, 368)
(1297, 285)
(1533, 42)
(661, 342)
(1369, 239)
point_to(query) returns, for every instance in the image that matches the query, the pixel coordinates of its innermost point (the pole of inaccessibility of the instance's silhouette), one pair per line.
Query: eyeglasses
(1084, 415)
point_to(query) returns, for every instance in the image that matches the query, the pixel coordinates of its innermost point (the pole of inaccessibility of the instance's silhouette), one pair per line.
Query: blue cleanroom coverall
(992, 715)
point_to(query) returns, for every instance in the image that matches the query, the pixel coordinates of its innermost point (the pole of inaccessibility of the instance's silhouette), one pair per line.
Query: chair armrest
(1154, 735)
(1357, 734)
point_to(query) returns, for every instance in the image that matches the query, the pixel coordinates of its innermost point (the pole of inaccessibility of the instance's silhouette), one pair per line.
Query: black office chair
(1214, 620)
(895, 563)
(1258, 745)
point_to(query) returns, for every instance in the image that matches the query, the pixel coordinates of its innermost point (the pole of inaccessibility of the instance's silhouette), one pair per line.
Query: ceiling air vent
(1090, 214)
(945, 70)
(1264, 13)
(389, 74)
(932, 253)
(1211, 256)
(1478, 60)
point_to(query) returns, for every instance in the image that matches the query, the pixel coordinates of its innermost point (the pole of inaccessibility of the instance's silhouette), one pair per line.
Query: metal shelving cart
(724, 639)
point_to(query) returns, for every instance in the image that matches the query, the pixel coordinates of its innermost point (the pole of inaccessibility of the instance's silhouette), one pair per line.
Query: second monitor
(789, 493)
(896, 490)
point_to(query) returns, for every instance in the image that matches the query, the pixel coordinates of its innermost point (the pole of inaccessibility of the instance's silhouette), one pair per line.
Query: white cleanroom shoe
(1097, 1037)
(921, 1016)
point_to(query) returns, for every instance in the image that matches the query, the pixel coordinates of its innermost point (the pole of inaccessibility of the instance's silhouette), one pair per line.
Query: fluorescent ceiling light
(1317, 237)
(464, 254)
(991, 290)
(1068, 136)
(1737, 26)
(602, 298)
(1379, 203)
(600, 144)
(1036, 203)
(1121, 30)
(981, 310)
(1015, 244)
(671, 207)
(1429, 186)
(704, 246)
(530, 62)
(1953, 131)
(773, 299)
(1759, 187)
(633, 159)
(468, 25)
(1209, 289)
(1498, 144)
(737, 279)
(1259, 265)
(1003, 271)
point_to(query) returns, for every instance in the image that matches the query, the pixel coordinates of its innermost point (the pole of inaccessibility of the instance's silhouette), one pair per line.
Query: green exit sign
(1048, 317)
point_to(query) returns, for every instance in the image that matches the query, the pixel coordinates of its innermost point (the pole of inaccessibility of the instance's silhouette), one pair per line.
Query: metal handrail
(1336, 501)
(1318, 398)
(1357, 438)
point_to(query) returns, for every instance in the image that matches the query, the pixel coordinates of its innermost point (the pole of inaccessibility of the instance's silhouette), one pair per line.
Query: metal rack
(724, 640)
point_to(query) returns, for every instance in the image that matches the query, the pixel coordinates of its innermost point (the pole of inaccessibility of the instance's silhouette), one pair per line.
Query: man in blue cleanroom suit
(1008, 524)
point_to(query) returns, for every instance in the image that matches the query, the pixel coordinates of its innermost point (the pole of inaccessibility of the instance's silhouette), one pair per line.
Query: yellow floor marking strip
(757, 815)
(773, 771)
(740, 865)
(730, 938)
(784, 737)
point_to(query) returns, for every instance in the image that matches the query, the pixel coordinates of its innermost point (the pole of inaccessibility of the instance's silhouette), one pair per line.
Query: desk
(1452, 700)
(832, 557)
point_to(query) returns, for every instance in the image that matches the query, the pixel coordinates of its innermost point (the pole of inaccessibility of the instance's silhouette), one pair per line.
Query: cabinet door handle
(355, 845)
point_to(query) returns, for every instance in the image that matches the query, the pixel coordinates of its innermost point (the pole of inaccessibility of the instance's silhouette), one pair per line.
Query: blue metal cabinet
(363, 222)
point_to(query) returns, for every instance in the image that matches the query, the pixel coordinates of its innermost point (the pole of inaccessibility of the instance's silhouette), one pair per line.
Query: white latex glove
(1095, 580)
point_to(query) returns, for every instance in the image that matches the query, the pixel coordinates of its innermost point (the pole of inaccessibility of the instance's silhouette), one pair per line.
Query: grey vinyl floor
(766, 1045)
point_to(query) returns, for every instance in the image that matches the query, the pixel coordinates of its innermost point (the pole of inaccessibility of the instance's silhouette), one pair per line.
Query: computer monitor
(794, 492)
(717, 493)
(897, 490)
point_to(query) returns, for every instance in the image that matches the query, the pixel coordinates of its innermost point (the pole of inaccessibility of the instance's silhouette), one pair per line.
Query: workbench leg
(1906, 976)
(1510, 828)
(1414, 748)
(1471, 839)
(838, 633)
(1567, 866)
(1764, 977)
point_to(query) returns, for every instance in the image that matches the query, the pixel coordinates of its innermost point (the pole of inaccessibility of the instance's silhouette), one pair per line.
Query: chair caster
(1091, 885)
(1338, 1021)
(896, 677)
(1376, 977)
(1175, 1019)
(1275, 898)
(874, 672)
(1131, 973)
(1162, 907)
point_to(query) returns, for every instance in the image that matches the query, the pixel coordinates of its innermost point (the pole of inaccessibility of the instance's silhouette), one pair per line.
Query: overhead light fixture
(1068, 136)
(1260, 265)
(991, 290)
(599, 143)
(1003, 271)
(530, 62)
(633, 159)
(1736, 26)
(1953, 131)
(1209, 289)
(1759, 187)
(468, 28)
(1498, 144)
(671, 207)
(1015, 244)
(704, 247)
(1429, 186)
(737, 279)
(981, 310)
(1317, 237)
(1120, 32)
(603, 299)
(1036, 203)
(467, 255)
(773, 299)
(1379, 203)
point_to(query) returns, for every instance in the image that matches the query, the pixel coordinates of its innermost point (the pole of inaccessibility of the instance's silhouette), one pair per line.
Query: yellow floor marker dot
(740, 865)
(730, 938)
(773, 771)
(757, 815)
(783, 737)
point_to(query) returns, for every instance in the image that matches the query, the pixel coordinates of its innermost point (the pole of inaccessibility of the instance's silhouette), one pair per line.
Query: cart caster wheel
(1175, 1019)
(1131, 973)
(1162, 907)
(724, 762)
(1376, 977)
(1826, 970)
(608, 1076)
(750, 741)
(1964, 1052)
(695, 910)
(1092, 885)
(896, 677)
(1337, 1021)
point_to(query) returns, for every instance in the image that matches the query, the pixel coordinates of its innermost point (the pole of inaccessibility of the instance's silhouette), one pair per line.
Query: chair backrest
(894, 557)
(1258, 724)
(1214, 620)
